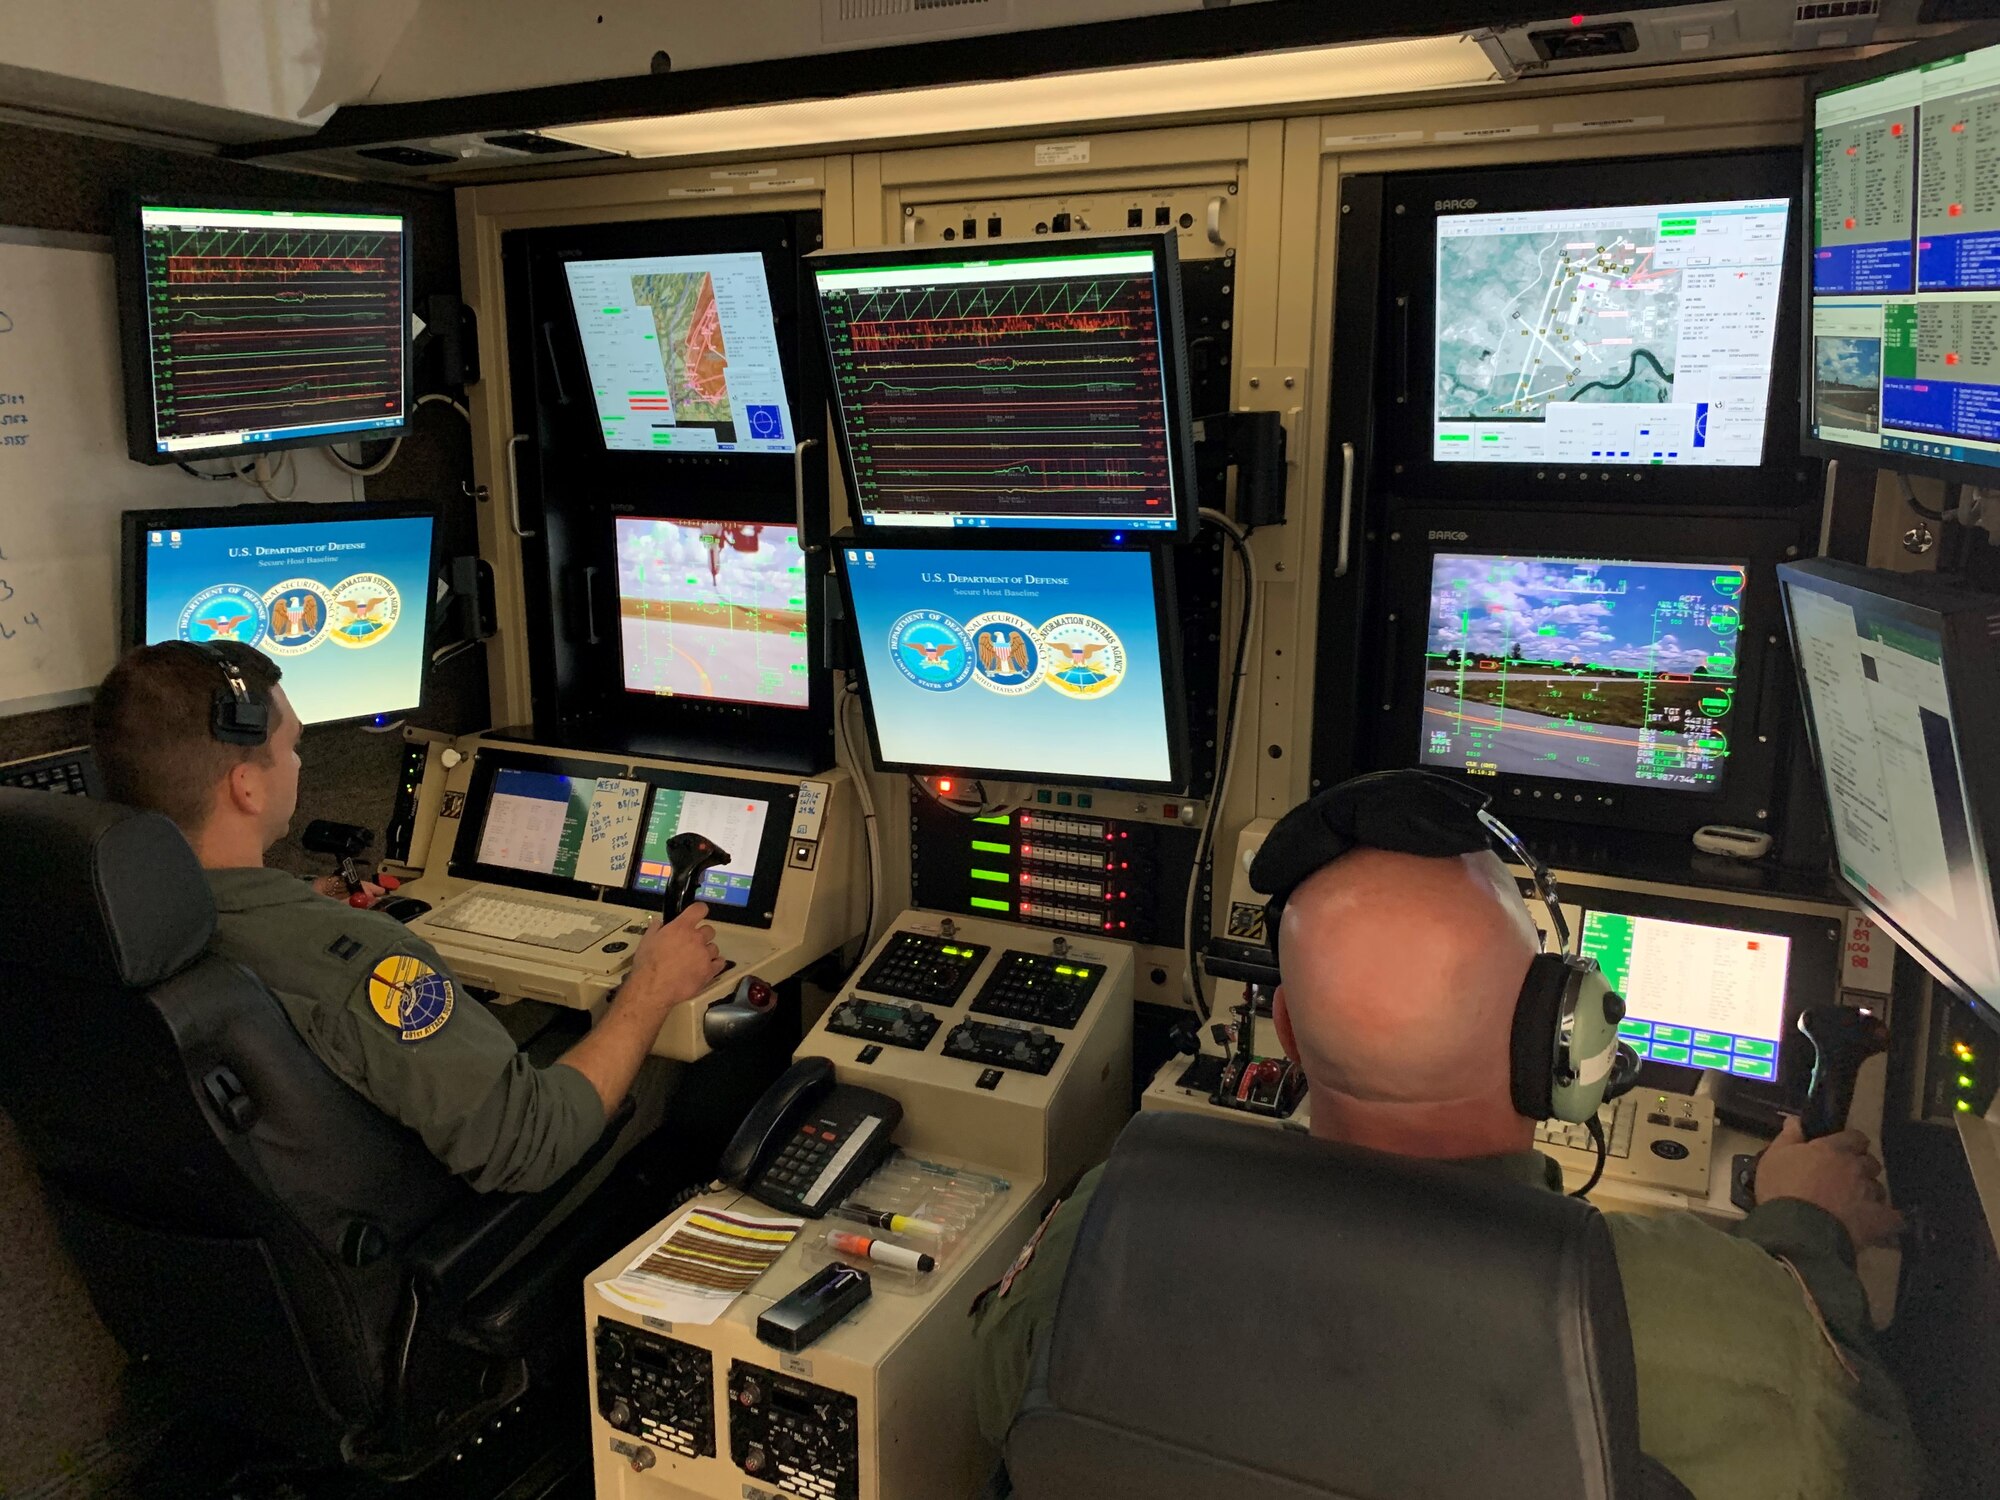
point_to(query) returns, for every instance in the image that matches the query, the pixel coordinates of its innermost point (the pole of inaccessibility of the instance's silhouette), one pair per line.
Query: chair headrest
(1387, 1326)
(93, 891)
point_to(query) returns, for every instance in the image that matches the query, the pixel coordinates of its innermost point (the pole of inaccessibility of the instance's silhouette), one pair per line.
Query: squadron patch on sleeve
(410, 996)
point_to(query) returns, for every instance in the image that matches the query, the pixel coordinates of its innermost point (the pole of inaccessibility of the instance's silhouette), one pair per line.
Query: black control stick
(1843, 1038)
(742, 1015)
(691, 857)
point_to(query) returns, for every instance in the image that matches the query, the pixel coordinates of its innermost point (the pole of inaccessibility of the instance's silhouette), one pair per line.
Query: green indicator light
(987, 846)
(1965, 1105)
(993, 875)
(1005, 820)
(1065, 969)
(1489, 437)
(612, 312)
(983, 904)
(951, 952)
(1454, 437)
(1964, 1082)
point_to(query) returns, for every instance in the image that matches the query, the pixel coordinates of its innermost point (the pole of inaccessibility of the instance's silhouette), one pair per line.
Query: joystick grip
(1843, 1039)
(691, 857)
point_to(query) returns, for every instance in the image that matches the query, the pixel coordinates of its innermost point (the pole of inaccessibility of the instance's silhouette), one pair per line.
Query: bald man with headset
(1428, 1024)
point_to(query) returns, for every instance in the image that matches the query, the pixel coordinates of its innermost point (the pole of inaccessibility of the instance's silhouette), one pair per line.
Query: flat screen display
(1698, 996)
(1906, 262)
(713, 610)
(1031, 664)
(1032, 387)
(269, 327)
(1890, 756)
(683, 353)
(1619, 673)
(1608, 337)
(568, 827)
(341, 604)
(732, 823)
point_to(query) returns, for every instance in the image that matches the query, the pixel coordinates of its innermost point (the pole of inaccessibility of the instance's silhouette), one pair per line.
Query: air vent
(529, 143)
(898, 20)
(1835, 23)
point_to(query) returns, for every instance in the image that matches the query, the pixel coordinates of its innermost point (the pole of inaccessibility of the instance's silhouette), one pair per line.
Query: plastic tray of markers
(944, 1204)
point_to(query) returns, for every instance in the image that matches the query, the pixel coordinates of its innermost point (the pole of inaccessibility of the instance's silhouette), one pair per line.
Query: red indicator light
(1951, 359)
(1959, 128)
(1853, 150)
(1955, 210)
(1576, 20)
(944, 784)
(1896, 128)
(1847, 223)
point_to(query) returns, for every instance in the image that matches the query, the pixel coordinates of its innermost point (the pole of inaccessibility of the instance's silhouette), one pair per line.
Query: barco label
(1449, 536)
(1448, 203)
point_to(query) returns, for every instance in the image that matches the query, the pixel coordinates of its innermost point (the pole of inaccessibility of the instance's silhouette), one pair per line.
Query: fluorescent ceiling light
(1357, 70)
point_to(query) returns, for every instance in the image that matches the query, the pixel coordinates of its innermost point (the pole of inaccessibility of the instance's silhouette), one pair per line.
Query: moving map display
(1906, 262)
(1622, 673)
(1613, 336)
(683, 353)
(713, 609)
(341, 605)
(1028, 390)
(1025, 663)
(265, 327)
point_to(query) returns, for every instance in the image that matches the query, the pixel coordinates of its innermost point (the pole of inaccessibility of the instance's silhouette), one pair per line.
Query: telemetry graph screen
(1620, 673)
(272, 327)
(1608, 336)
(1013, 392)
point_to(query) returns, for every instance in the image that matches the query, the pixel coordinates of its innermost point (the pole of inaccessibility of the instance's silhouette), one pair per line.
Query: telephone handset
(809, 1141)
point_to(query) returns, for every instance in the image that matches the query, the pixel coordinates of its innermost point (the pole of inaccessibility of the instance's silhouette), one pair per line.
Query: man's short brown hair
(150, 727)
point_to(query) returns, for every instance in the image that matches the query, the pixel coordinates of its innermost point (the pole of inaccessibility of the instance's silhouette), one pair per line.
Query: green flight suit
(379, 1007)
(1757, 1373)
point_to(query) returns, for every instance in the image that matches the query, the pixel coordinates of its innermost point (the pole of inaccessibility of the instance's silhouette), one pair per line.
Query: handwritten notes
(611, 831)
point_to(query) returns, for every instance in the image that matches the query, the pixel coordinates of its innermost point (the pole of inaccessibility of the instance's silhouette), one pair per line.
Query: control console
(656, 1388)
(1041, 988)
(918, 966)
(883, 1021)
(797, 1437)
(1029, 1049)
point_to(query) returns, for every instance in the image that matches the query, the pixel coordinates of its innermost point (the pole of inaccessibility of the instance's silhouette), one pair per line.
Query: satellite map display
(1626, 335)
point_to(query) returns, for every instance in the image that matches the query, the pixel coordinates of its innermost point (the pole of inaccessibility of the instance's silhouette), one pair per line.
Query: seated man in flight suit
(1757, 1375)
(375, 1002)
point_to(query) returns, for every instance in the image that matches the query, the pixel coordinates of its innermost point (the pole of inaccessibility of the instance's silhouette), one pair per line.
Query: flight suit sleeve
(1816, 1245)
(1014, 1315)
(411, 1041)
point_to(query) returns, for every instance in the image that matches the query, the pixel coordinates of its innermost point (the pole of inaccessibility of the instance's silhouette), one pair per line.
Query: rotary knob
(612, 1350)
(749, 1393)
(643, 1460)
(753, 1459)
(619, 1413)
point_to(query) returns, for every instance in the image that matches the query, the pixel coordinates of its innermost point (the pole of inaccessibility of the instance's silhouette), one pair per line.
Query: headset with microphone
(1566, 1058)
(234, 716)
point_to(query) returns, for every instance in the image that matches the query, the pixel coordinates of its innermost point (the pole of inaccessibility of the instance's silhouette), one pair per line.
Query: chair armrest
(455, 1255)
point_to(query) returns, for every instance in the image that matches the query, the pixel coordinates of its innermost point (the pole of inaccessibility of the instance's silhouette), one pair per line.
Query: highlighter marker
(895, 1223)
(880, 1251)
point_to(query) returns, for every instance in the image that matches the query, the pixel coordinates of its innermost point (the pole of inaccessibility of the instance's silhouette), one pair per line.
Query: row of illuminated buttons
(1751, 1058)
(1086, 859)
(1061, 886)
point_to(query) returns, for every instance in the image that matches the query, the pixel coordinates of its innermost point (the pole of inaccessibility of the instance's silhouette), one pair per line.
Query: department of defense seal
(1085, 658)
(224, 612)
(1006, 657)
(365, 609)
(931, 649)
(300, 610)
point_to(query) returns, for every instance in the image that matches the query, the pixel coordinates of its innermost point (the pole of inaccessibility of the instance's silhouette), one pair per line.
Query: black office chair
(294, 1261)
(1254, 1315)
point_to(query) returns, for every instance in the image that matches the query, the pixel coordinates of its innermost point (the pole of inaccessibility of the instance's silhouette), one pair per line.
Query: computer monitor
(713, 610)
(1901, 682)
(1639, 334)
(1031, 384)
(567, 827)
(1622, 674)
(733, 821)
(1019, 664)
(249, 327)
(682, 352)
(1695, 995)
(1904, 264)
(338, 595)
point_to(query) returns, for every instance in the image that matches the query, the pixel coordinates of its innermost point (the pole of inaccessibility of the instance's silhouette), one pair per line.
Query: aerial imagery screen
(683, 353)
(1622, 673)
(712, 609)
(1620, 336)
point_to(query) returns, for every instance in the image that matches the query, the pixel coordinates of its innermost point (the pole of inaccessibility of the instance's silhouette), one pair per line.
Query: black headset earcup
(1533, 1058)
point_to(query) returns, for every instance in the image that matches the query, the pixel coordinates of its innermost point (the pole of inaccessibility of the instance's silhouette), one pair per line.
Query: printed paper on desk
(703, 1261)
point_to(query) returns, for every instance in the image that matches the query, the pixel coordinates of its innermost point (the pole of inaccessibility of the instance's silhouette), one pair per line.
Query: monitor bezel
(1971, 38)
(465, 862)
(134, 524)
(769, 874)
(135, 339)
(1407, 411)
(1173, 688)
(1177, 391)
(1812, 973)
(1967, 625)
(1749, 781)
(807, 587)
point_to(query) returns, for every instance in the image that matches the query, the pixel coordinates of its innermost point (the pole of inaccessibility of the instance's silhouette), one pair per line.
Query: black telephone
(810, 1141)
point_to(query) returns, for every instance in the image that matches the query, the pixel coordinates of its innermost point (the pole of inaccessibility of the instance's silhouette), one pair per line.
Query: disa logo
(1449, 203)
(1450, 536)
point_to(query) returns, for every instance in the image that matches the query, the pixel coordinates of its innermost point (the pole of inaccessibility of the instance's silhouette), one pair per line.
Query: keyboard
(1654, 1139)
(563, 926)
(70, 771)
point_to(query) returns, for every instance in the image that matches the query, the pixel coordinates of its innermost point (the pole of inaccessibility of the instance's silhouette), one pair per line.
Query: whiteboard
(64, 476)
